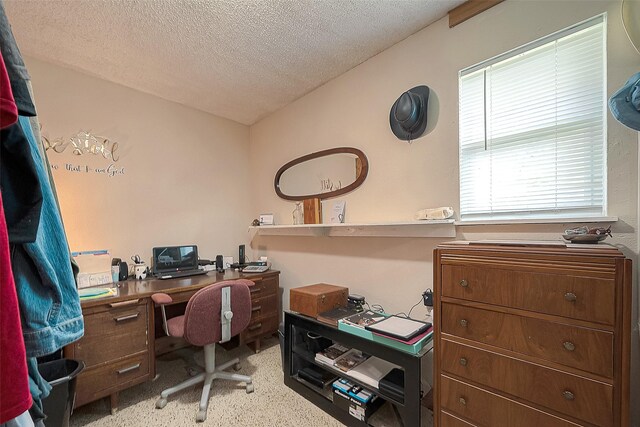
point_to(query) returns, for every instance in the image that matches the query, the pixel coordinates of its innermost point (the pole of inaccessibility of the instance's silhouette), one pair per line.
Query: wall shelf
(432, 228)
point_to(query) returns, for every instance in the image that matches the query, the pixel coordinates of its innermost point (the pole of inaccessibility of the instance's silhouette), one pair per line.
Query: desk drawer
(568, 345)
(582, 398)
(101, 381)
(264, 307)
(260, 328)
(264, 287)
(568, 295)
(123, 328)
(489, 409)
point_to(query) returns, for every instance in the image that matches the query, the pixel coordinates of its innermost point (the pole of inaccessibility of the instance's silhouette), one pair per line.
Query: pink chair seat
(175, 325)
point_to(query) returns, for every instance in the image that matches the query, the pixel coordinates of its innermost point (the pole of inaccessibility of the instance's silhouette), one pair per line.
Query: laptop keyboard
(180, 274)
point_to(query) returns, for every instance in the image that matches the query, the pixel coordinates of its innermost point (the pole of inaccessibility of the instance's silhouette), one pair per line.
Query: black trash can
(281, 337)
(61, 374)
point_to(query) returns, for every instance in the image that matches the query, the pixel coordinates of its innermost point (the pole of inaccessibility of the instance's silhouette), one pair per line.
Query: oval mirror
(325, 174)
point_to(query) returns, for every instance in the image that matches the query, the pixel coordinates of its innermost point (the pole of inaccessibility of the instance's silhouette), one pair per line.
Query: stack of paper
(330, 354)
(371, 371)
(350, 360)
(92, 293)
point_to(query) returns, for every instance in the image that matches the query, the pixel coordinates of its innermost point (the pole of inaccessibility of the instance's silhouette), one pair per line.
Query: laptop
(170, 262)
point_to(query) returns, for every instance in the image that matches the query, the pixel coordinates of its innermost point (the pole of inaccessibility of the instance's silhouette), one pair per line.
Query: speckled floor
(272, 403)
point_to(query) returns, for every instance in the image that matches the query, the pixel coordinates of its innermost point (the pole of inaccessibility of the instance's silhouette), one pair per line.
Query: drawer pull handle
(463, 401)
(569, 345)
(464, 283)
(570, 296)
(256, 308)
(254, 289)
(254, 327)
(127, 317)
(129, 369)
(568, 395)
(464, 323)
(463, 361)
(124, 303)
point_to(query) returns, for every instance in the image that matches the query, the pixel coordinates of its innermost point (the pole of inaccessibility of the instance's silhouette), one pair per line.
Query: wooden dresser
(531, 335)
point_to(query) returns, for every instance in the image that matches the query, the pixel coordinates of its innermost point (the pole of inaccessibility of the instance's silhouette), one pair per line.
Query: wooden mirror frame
(348, 150)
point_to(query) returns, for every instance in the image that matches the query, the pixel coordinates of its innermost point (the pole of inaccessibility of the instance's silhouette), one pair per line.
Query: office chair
(209, 319)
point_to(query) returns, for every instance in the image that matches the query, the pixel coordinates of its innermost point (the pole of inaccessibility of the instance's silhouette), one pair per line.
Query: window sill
(584, 220)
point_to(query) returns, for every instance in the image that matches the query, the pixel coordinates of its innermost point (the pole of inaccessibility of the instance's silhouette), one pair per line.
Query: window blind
(532, 129)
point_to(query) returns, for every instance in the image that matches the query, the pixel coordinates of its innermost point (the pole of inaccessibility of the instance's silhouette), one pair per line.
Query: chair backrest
(202, 323)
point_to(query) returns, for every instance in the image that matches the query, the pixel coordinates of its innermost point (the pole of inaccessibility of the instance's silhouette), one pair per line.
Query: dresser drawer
(579, 397)
(95, 383)
(123, 328)
(448, 420)
(569, 345)
(489, 409)
(264, 287)
(264, 307)
(567, 295)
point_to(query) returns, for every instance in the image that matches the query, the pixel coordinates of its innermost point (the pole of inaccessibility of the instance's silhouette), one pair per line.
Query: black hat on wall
(408, 116)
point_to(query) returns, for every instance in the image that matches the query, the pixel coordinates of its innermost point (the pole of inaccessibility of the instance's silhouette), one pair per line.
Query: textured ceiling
(239, 59)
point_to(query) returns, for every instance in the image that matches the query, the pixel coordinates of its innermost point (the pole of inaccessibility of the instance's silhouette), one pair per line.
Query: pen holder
(140, 271)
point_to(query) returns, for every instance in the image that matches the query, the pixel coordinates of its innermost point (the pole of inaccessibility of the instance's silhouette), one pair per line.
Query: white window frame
(532, 215)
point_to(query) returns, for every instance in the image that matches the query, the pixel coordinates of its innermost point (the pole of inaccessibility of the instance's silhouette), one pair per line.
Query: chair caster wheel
(161, 403)
(236, 367)
(201, 416)
(250, 388)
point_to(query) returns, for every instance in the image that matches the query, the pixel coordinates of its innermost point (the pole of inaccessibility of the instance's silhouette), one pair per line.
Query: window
(532, 129)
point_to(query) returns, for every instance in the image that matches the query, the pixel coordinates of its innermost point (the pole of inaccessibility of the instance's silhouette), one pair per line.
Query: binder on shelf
(316, 376)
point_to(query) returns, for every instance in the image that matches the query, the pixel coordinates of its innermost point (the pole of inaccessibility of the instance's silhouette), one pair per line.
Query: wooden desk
(119, 343)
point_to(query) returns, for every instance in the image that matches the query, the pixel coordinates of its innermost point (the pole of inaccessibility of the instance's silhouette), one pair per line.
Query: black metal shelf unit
(297, 356)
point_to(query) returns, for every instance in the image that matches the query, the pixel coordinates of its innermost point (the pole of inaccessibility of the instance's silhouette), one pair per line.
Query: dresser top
(535, 246)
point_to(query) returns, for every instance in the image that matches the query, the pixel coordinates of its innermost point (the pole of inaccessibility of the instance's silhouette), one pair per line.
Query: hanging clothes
(49, 302)
(8, 108)
(20, 185)
(16, 69)
(50, 312)
(15, 397)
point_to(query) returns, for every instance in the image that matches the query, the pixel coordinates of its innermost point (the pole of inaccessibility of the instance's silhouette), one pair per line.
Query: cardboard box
(318, 298)
(355, 408)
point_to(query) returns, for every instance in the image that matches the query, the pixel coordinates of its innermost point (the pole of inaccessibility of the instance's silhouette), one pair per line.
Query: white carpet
(272, 403)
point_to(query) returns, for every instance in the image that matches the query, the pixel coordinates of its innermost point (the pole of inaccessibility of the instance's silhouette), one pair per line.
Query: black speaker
(241, 254)
(219, 264)
(124, 271)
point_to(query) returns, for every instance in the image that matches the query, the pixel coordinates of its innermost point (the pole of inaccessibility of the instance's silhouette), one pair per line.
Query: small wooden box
(314, 299)
(312, 211)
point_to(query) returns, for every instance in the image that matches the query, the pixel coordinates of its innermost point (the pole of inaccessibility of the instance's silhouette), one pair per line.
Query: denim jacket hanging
(49, 304)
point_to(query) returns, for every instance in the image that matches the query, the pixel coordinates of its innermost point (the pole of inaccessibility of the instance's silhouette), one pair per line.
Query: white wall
(184, 170)
(353, 110)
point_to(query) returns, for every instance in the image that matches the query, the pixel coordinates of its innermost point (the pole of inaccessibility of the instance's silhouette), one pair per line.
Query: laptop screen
(175, 258)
